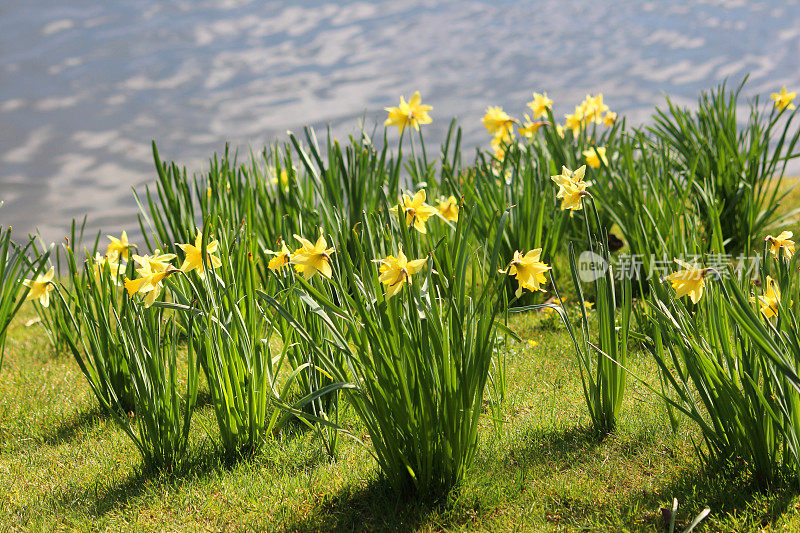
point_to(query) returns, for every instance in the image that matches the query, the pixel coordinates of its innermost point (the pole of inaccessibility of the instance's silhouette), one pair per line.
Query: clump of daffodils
(528, 270)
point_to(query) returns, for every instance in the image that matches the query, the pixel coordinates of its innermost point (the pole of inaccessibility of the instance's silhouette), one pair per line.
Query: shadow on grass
(377, 507)
(99, 497)
(565, 448)
(732, 495)
(75, 426)
(727, 490)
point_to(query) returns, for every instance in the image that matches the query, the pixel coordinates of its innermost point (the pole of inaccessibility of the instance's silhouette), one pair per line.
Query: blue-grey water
(85, 85)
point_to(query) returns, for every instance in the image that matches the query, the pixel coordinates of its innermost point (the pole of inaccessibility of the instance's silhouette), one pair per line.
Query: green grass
(64, 464)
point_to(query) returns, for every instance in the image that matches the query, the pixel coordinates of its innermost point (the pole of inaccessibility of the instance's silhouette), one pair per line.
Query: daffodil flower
(783, 242)
(283, 178)
(416, 210)
(397, 271)
(110, 260)
(783, 100)
(574, 122)
(411, 113)
(119, 246)
(448, 208)
(281, 258)
(571, 187)
(312, 258)
(770, 300)
(193, 255)
(609, 118)
(540, 104)
(529, 127)
(157, 262)
(499, 124)
(529, 271)
(40, 287)
(148, 282)
(594, 155)
(593, 108)
(690, 280)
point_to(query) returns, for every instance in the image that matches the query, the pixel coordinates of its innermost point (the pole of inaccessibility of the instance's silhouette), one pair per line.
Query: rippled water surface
(85, 86)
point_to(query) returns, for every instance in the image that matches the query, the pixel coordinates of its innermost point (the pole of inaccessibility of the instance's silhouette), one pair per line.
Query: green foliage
(737, 164)
(150, 345)
(733, 371)
(232, 343)
(89, 324)
(14, 266)
(414, 366)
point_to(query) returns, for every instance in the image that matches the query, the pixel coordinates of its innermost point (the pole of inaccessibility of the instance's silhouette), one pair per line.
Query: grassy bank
(229, 381)
(66, 465)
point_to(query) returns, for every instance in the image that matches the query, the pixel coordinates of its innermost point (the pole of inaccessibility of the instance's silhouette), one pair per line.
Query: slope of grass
(65, 465)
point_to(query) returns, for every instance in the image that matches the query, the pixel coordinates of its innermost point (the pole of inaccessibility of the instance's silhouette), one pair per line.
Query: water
(85, 86)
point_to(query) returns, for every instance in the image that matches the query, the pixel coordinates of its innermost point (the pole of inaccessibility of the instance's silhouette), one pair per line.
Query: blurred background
(85, 86)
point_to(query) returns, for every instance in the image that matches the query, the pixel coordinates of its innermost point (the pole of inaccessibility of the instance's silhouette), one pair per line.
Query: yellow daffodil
(148, 282)
(609, 118)
(448, 208)
(782, 242)
(396, 271)
(312, 258)
(690, 280)
(528, 270)
(770, 299)
(499, 147)
(593, 108)
(411, 113)
(571, 187)
(115, 267)
(193, 255)
(560, 130)
(529, 127)
(416, 210)
(157, 262)
(40, 287)
(574, 122)
(283, 179)
(783, 100)
(499, 124)
(281, 258)
(119, 246)
(571, 195)
(569, 176)
(594, 155)
(540, 104)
